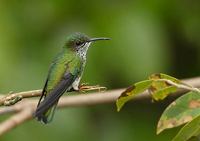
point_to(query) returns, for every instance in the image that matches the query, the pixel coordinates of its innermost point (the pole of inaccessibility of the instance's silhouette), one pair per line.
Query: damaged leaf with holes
(131, 92)
(160, 89)
(182, 110)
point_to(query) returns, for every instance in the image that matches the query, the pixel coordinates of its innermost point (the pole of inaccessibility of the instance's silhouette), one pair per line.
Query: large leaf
(191, 129)
(132, 91)
(181, 111)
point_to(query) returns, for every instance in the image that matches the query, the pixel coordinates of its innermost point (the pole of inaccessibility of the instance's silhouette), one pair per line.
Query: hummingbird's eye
(78, 43)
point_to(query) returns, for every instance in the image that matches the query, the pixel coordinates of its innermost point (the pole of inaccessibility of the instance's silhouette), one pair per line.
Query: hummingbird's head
(79, 41)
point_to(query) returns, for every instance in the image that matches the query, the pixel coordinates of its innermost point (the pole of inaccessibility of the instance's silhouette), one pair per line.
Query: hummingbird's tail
(46, 117)
(48, 102)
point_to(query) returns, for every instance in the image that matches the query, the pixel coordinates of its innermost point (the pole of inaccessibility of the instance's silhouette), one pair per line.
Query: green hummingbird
(64, 74)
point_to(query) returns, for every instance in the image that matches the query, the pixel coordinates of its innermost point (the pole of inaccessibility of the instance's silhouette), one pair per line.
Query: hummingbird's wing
(61, 75)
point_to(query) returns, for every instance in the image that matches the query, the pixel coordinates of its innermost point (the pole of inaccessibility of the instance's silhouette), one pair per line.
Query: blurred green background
(148, 36)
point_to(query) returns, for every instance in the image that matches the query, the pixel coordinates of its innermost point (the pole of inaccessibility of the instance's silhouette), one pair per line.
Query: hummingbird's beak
(97, 39)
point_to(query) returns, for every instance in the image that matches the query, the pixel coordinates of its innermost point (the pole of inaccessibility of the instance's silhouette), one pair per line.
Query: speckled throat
(82, 52)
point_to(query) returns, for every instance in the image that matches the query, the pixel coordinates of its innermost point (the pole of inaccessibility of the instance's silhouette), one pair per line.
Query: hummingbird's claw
(84, 84)
(84, 88)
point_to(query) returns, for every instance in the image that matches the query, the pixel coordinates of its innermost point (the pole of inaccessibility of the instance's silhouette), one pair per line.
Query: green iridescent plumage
(64, 74)
(66, 60)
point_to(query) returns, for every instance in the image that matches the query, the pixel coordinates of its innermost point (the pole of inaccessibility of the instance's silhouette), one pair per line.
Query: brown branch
(16, 120)
(25, 109)
(13, 98)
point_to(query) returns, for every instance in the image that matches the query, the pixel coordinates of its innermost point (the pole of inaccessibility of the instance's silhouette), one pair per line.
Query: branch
(13, 98)
(16, 120)
(25, 109)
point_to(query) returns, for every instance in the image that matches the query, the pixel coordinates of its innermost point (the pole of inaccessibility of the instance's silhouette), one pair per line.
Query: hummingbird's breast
(82, 53)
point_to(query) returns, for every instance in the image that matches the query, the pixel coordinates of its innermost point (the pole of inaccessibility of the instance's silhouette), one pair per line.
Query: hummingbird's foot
(84, 88)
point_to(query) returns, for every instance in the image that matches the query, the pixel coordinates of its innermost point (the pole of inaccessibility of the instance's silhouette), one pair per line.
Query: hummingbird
(64, 74)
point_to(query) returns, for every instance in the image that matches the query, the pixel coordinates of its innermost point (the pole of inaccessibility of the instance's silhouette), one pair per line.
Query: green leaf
(132, 91)
(163, 93)
(161, 89)
(157, 76)
(157, 85)
(181, 111)
(191, 129)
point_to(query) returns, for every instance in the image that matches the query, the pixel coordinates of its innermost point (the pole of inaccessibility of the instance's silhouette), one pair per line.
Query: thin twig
(181, 85)
(26, 108)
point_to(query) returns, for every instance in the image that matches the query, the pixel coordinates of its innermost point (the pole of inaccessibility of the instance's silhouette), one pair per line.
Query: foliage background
(147, 37)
